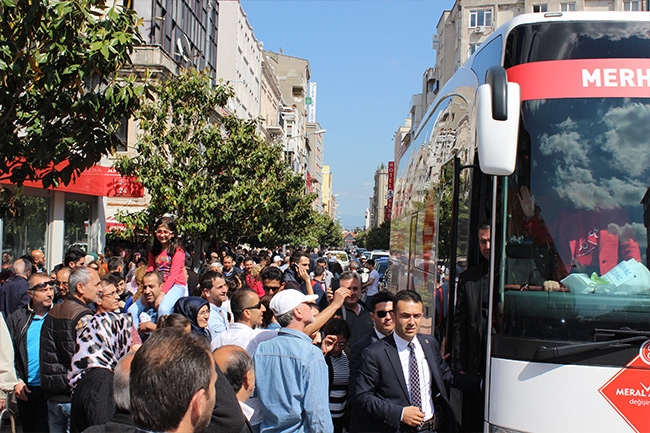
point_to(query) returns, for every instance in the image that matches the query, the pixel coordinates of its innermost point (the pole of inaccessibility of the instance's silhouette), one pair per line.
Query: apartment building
(293, 76)
(462, 29)
(378, 200)
(239, 59)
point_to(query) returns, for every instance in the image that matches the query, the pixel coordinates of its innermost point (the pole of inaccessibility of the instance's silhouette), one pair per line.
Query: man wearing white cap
(291, 374)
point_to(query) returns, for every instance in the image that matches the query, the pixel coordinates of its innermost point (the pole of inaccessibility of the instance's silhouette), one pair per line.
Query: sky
(368, 58)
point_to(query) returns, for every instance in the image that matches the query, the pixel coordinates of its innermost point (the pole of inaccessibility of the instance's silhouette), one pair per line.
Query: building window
(540, 8)
(480, 18)
(122, 133)
(632, 5)
(473, 48)
(25, 230)
(567, 7)
(77, 224)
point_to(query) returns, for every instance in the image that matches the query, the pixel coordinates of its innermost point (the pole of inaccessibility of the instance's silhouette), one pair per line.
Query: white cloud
(627, 137)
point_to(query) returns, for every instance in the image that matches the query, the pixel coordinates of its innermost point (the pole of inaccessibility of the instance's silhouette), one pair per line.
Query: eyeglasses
(382, 313)
(271, 288)
(342, 344)
(108, 295)
(43, 286)
(254, 307)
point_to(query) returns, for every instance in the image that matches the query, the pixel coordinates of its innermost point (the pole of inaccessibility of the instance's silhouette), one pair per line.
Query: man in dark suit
(470, 329)
(383, 325)
(402, 380)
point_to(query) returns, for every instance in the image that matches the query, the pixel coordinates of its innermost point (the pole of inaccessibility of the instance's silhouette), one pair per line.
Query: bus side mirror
(498, 104)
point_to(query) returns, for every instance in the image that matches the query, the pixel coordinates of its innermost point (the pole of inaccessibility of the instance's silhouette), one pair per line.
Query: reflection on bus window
(575, 222)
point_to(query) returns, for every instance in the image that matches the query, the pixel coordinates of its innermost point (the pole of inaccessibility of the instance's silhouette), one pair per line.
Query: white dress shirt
(239, 334)
(423, 367)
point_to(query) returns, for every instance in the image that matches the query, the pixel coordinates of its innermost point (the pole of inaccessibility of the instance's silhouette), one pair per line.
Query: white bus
(545, 131)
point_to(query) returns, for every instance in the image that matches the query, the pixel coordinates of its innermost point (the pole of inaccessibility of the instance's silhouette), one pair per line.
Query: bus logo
(629, 391)
(644, 352)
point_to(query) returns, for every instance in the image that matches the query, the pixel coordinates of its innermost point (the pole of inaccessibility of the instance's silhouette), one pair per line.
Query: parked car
(375, 254)
(342, 257)
(381, 265)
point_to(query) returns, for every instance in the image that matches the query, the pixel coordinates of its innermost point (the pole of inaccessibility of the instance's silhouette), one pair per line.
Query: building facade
(293, 76)
(377, 205)
(239, 59)
(326, 191)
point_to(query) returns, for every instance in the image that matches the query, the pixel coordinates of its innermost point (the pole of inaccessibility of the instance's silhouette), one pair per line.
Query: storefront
(52, 220)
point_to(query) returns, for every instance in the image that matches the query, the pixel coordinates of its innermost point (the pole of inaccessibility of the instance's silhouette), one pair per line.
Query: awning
(98, 181)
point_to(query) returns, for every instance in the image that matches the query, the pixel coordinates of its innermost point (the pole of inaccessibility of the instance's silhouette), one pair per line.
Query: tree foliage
(377, 238)
(324, 232)
(215, 174)
(60, 94)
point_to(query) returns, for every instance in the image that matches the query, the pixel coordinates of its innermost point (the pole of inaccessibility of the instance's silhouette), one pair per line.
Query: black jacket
(18, 324)
(470, 320)
(13, 295)
(58, 344)
(381, 390)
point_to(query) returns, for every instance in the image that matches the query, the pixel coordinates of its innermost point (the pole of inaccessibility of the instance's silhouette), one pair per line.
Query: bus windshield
(575, 237)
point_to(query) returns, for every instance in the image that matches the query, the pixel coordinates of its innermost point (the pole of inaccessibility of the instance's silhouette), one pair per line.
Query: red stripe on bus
(585, 78)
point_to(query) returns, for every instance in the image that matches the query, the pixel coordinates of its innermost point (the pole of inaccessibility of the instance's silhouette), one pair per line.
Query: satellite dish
(183, 47)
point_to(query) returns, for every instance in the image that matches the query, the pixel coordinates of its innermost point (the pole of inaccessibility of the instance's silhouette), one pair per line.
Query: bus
(545, 134)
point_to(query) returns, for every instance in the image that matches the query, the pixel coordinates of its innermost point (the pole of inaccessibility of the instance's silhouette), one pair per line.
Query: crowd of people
(252, 342)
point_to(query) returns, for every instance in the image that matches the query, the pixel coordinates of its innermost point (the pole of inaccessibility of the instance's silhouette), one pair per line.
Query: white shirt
(239, 334)
(379, 334)
(425, 373)
(247, 410)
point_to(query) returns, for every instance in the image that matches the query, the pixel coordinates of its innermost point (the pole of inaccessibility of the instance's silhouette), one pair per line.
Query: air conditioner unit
(479, 30)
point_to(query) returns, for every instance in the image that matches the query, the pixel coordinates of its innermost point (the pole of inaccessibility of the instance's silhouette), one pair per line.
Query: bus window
(576, 239)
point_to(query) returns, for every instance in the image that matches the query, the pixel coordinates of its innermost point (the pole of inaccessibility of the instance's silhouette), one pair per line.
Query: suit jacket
(470, 320)
(227, 416)
(356, 351)
(381, 392)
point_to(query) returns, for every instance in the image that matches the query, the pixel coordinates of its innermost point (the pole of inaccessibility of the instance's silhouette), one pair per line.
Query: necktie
(414, 378)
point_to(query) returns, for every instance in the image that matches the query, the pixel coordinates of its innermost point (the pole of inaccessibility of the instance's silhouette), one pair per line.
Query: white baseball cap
(277, 259)
(289, 299)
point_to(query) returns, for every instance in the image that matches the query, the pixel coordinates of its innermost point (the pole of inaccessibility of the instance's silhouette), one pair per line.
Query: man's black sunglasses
(254, 307)
(43, 285)
(383, 313)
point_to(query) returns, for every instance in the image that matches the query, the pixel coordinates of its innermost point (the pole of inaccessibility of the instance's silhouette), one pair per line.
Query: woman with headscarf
(198, 311)
(105, 339)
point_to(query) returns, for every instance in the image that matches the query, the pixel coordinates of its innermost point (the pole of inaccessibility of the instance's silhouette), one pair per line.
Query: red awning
(99, 181)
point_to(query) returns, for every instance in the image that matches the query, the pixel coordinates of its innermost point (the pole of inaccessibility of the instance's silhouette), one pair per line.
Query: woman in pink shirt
(167, 256)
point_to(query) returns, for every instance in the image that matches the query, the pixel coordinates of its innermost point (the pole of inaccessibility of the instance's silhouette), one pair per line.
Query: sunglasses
(383, 313)
(44, 285)
(254, 307)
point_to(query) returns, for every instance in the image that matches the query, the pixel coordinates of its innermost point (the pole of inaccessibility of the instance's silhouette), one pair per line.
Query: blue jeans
(167, 304)
(58, 416)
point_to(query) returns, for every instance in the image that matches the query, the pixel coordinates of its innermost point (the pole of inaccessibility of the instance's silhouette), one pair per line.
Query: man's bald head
(236, 364)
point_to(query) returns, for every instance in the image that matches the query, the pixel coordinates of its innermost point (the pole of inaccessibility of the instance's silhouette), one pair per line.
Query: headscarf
(189, 307)
(101, 343)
